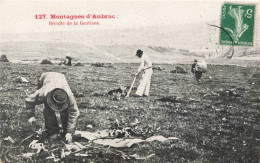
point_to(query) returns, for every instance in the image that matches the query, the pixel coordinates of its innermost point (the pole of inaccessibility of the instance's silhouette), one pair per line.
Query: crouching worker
(146, 66)
(55, 93)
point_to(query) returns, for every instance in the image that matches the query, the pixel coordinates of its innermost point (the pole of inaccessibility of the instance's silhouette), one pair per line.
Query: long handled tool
(130, 89)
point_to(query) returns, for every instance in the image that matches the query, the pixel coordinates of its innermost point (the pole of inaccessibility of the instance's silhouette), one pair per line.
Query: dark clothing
(69, 61)
(198, 74)
(51, 122)
(193, 67)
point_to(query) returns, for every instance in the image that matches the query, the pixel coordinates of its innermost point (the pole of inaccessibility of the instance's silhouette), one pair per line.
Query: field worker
(68, 63)
(55, 93)
(198, 68)
(146, 66)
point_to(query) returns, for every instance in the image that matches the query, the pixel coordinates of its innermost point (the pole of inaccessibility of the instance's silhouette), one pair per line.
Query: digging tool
(130, 89)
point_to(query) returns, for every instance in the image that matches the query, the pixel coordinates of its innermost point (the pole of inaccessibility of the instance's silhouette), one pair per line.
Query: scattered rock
(89, 126)
(21, 80)
(3, 58)
(159, 68)
(46, 61)
(179, 69)
(102, 65)
(78, 64)
(98, 64)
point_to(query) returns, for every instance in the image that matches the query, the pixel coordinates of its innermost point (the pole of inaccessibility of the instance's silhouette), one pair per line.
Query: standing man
(146, 66)
(196, 71)
(55, 93)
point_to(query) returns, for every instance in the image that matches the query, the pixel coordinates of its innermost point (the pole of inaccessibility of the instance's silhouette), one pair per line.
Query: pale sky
(18, 17)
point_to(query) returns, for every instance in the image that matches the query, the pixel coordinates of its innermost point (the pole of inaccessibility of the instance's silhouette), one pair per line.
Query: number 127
(40, 16)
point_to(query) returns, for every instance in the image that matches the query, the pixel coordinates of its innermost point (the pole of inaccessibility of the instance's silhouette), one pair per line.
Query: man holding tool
(55, 93)
(146, 66)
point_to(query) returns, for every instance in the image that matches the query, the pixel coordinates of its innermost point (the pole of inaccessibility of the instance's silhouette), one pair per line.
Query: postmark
(238, 24)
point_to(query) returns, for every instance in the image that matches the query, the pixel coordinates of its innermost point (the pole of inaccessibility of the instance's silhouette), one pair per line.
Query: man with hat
(57, 97)
(195, 71)
(146, 66)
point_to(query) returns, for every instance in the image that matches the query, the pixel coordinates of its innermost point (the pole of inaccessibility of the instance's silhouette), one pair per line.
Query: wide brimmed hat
(57, 99)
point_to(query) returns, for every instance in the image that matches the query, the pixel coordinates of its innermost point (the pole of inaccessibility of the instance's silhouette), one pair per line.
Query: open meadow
(216, 121)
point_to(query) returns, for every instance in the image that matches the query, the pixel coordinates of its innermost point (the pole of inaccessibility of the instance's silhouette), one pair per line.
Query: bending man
(55, 93)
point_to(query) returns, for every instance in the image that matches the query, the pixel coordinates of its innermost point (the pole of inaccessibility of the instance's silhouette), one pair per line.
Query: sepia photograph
(129, 81)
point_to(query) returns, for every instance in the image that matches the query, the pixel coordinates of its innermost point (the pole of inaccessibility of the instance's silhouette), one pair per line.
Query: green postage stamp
(237, 24)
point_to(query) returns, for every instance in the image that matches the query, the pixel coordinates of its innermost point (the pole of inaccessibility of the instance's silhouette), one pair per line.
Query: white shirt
(145, 62)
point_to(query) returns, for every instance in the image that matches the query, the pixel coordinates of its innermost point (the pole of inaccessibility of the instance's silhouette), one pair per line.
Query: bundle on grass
(46, 61)
(117, 94)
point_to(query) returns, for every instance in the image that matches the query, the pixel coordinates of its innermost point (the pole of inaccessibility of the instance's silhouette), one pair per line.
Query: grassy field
(216, 121)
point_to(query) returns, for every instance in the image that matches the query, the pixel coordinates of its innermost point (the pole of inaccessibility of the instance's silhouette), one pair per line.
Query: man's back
(51, 80)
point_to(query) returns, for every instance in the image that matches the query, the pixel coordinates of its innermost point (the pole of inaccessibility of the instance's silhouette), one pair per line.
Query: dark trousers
(51, 122)
(198, 75)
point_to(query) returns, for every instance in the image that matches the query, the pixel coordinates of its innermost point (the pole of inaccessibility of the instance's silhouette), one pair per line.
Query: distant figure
(55, 93)
(198, 68)
(146, 66)
(69, 61)
(3, 58)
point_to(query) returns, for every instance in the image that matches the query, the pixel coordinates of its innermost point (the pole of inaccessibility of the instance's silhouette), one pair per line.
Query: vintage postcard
(129, 81)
